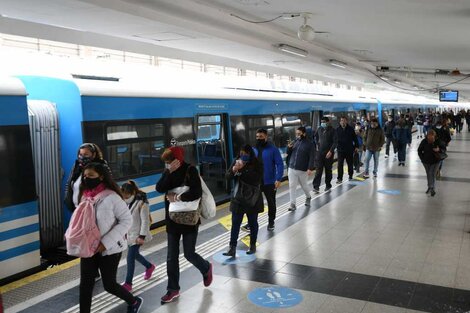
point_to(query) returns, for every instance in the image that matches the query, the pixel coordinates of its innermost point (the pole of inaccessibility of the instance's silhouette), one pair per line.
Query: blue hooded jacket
(273, 165)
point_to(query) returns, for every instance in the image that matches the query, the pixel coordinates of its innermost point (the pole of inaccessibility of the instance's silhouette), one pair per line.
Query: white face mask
(358, 128)
(129, 200)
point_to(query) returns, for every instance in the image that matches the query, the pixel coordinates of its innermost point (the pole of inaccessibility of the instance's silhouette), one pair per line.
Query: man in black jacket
(326, 141)
(388, 131)
(347, 145)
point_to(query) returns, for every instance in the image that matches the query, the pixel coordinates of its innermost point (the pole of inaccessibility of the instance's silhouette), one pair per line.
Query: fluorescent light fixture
(293, 50)
(383, 77)
(337, 63)
(396, 81)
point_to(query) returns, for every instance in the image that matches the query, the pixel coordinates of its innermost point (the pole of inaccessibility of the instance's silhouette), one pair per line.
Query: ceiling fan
(307, 32)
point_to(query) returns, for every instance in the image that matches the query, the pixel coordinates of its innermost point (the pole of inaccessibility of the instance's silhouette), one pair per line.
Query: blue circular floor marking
(392, 192)
(241, 257)
(356, 182)
(275, 297)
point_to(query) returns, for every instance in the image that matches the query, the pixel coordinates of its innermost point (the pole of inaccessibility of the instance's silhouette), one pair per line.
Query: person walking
(113, 220)
(301, 155)
(388, 131)
(347, 146)
(326, 140)
(420, 125)
(178, 173)
(373, 141)
(139, 233)
(430, 151)
(402, 136)
(360, 141)
(444, 138)
(273, 170)
(247, 198)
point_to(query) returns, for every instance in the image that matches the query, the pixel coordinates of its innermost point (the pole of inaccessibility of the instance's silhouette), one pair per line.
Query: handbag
(441, 155)
(246, 194)
(190, 218)
(207, 206)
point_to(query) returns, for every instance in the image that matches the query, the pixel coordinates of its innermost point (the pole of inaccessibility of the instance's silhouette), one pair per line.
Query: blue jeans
(369, 155)
(172, 258)
(132, 255)
(237, 219)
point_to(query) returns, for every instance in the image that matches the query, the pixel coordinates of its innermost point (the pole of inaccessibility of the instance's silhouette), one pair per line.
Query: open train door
(212, 152)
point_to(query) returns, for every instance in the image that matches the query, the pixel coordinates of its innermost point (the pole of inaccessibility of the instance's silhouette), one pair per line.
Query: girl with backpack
(179, 174)
(139, 233)
(113, 220)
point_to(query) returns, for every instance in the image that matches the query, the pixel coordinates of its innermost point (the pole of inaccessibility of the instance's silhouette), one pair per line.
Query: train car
(19, 215)
(134, 122)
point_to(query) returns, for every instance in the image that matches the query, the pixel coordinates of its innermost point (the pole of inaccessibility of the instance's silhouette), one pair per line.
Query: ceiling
(408, 39)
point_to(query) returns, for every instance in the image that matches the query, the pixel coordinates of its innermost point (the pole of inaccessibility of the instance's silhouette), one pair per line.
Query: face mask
(91, 183)
(390, 119)
(129, 200)
(438, 127)
(245, 158)
(260, 142)
(83, 160)
(343, 125)
(358, 128)
(323, 125)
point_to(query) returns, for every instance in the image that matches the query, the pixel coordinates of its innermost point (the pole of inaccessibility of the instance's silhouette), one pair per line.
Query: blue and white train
(132, 124)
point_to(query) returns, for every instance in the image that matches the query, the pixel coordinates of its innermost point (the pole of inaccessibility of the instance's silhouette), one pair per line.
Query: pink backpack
(83, 235)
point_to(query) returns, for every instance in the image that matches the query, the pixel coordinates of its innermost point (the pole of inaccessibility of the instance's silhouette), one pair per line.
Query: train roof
(11, 86)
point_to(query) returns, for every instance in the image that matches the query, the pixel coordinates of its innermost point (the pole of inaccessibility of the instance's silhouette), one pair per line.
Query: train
(43, 121)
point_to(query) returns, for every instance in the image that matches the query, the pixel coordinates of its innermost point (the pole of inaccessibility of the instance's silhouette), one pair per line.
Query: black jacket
(186, 175)
(388, 128)
(73, 176)
(326, 140)
(251, 174)
(443, 136)
(302, 155)
(347, 139)
(426, 152)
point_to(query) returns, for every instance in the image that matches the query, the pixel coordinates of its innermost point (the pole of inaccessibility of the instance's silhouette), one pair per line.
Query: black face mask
(91, 183)
(83, 161)
(260, 142)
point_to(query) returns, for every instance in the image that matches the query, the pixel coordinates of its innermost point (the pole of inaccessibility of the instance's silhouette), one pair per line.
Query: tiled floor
(354, 250)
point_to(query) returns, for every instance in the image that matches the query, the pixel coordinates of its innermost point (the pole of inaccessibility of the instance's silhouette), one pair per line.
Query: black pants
(349, 160)
(108, 267)
(323, 162)
(172, 258)
(388, 141)
(270, 194)
(237, 219)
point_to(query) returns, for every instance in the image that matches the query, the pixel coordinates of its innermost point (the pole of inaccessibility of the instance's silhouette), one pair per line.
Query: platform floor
(378, 245)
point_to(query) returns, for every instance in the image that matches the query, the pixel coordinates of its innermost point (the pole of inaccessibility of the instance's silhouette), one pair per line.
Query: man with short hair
(326, 141)
(347, 145)
(273, 169)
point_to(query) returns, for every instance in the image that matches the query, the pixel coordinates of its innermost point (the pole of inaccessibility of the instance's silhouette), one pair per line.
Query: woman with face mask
(178, 173)
(248, 173)
(113, 220)
(139, 233)
(87, 153)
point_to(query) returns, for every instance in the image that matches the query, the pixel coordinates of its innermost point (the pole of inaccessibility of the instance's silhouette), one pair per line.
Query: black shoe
(245, 227)
(307, 201)
(231, 252)
(433, 193)
(135, 308)
(252, 249)
(429, 189)
(339, 181)
(350, 177)
(292, 207)
(271, 227)
(316, 190)
(327, 188)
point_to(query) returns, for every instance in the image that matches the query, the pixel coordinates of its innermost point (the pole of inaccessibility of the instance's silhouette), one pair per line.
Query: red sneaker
(149, 272)
(208, 277)
(170, 296)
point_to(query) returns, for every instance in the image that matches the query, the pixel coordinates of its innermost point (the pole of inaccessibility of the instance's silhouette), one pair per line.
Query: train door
(212, 151)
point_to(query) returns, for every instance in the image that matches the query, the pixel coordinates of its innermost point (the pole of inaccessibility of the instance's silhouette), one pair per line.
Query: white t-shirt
(76, 190)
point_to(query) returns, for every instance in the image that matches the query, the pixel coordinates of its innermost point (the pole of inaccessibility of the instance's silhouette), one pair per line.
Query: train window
(135, 158)
(16, 169)
(119, 132)
(257, 122)
(289, 124)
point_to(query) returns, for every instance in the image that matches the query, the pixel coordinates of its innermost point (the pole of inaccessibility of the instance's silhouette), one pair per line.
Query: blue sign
(275, 297)
(392, 192)
(241, 257)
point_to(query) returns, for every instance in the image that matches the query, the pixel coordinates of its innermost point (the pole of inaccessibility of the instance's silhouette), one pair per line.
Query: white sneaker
(386, 156)
(395, 156)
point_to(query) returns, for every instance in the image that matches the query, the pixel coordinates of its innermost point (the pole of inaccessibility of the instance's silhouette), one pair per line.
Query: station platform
(367, 245)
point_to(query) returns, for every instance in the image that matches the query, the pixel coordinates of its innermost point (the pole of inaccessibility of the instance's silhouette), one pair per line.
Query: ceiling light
(337, 63)
(306, 32)
(293, 50)
(396, 81)
(383, 77)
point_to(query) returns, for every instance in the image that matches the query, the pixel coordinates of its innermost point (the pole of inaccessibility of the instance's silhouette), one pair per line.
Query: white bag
(183, 206)
(207, 206)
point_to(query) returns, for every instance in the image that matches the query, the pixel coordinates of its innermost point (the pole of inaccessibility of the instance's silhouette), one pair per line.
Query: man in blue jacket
(273, 166)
